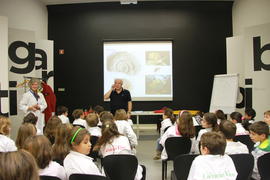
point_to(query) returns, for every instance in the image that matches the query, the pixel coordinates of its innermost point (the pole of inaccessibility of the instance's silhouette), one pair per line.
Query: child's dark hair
(215, 143)
(61, 110)
(185, 125)
(77, 113)
(51, 127)
(250, 112)
(228, 129)
(109, 130)
(211, 119)
(169, 113)
(220, 115)
(98, 109)
(92, 120)
(260, 128)
(41, 148)
(236, 116)
(30, 118)
(76, 136)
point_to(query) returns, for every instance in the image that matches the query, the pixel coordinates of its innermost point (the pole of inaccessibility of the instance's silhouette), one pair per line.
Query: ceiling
(51, 2)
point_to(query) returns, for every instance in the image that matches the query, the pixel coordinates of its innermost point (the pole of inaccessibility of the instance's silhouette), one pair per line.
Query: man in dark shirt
(119, 97)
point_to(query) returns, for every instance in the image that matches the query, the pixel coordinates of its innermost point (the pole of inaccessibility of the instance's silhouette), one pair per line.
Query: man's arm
(129, 106)
(107, 94)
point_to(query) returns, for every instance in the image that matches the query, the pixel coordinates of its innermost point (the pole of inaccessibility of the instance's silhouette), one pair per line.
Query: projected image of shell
(158, 84)
(158, 58)
(127, 84)
(123, 62)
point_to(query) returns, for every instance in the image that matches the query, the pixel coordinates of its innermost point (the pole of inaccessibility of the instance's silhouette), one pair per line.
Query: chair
(175, 146)
(86, 177)
(244, 164)
(120, 166)
(49, 178)
(182, 164)
(93, 154)
(245, 139)
(263, 166)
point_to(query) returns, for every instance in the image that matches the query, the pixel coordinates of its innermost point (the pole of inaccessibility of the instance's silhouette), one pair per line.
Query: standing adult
(34, 101)
(119, 97)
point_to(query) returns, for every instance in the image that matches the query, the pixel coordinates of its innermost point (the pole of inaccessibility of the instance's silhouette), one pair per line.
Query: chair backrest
(177, 145)
(49, 178)
(86, 177)
(120, 167)
(263, 166)
(245, 139)
(182, 164)
(93, 140)
(244, 164)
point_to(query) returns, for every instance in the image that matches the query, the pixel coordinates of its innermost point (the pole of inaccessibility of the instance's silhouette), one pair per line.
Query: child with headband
(77, 161)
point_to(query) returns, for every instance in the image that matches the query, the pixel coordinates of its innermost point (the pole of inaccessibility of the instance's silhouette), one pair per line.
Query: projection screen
(144, 66)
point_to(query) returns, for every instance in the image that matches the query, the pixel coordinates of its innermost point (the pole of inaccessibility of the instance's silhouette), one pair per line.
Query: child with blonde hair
(51, 127)
(92, 122)
(6, 144)
(267, 117)
(77, 161)
(26, 130)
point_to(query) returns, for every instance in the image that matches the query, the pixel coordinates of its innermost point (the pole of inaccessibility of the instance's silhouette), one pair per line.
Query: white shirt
(81, 122)
(7, 144)
(164, 124)
(201, 132)
(240, 130)
(124, 128)
(54, 169)
(130, 122)
(28, 100)
(236, 148)
(64, 119)
(76, 162)
(173, 132)
(216, 167)
(120, 145)
(94, 131)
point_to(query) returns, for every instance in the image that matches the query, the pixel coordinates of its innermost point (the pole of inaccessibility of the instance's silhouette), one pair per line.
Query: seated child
(6, 144)
(18, 165)
(213, 163)
(267, 117)
(209, 123)
(40, 147)
(220, 116)
(26, 130)
(236, 118)
(53, 124)
(124, 128)
(78, 116)
(248, 118)
(182, 128)
(77, 161)
(229, 129)
(98, 110)
(32, 118)
(112, 142)
(92, 122)
(62, 112)
(259, 133)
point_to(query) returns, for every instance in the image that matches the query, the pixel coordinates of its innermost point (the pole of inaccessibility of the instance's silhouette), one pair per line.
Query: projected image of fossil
(123, 62)
(159, 58)
(158, 84)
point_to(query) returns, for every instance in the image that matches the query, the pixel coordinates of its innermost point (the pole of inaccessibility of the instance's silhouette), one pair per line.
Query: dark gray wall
(198, 31)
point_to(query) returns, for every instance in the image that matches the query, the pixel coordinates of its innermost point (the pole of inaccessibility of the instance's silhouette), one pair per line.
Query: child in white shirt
(6, 144)
(112, 142)
(229, 129)
(62, 112)
(77, 161)
(236, 118)
(213, 163)
(78, 116)
(92, 122)
(267, 117)
(183, 127)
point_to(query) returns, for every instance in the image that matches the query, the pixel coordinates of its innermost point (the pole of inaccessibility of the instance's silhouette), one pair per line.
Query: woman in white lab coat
(34, 101)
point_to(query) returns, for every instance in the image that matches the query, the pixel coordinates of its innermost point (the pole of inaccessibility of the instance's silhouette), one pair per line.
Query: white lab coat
(64, 119)
(28, 100)
(120, 145)
(236, 148)
(7, 144)
(76, 162)
(164, 124)
(94, 131)
(240, 130)
(124, 128)
(218, 167)
(54, 169)
(81, 122)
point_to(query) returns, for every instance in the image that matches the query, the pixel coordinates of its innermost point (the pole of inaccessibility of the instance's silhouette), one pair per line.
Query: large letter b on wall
(257, 53)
